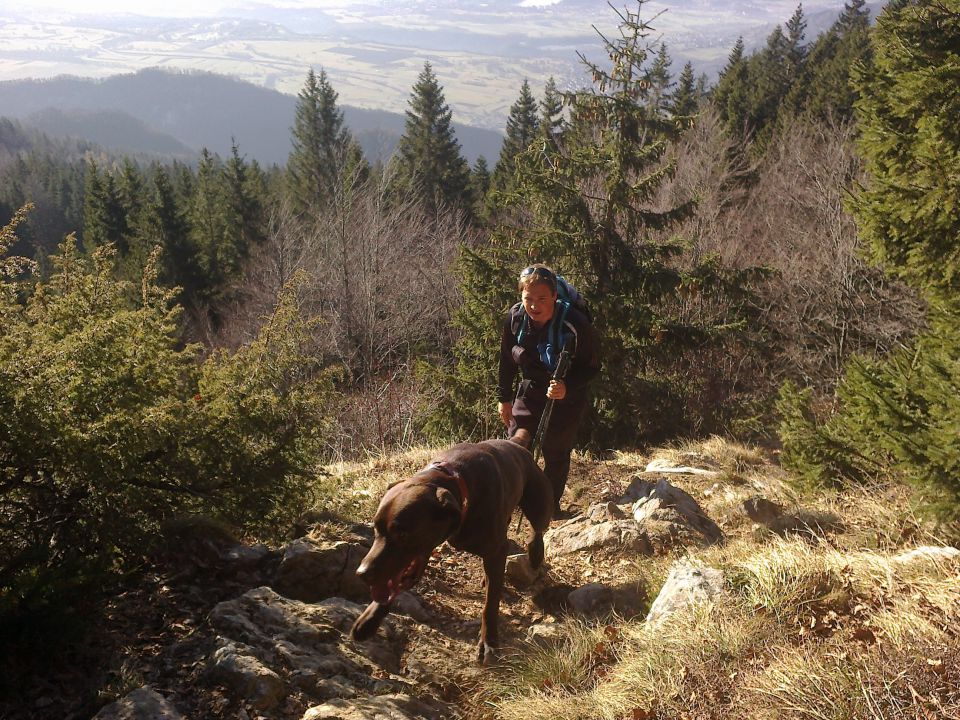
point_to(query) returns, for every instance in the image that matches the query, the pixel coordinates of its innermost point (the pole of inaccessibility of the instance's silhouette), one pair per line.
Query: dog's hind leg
(493, 568)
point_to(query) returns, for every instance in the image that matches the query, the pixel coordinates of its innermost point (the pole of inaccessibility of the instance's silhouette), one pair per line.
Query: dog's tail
(536, 503)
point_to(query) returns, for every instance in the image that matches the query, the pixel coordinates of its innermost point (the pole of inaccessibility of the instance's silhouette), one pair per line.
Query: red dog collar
(461, 485)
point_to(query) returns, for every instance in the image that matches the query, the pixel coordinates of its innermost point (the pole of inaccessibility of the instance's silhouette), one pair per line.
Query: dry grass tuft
(715, 453)
(351, 491)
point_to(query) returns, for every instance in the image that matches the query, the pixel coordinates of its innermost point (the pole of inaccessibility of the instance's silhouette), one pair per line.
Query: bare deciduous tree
(379, 279)
(787, 212)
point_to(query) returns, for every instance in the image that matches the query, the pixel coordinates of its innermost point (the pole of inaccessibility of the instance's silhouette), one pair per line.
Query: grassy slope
(822, 623)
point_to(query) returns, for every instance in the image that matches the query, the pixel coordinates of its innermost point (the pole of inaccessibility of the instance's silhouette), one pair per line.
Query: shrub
(109, 424)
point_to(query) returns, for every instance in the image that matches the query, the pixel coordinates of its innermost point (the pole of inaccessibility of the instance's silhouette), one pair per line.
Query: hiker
(534, 332)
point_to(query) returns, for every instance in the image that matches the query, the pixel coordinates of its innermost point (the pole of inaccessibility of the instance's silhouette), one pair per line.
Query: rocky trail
(240, 631)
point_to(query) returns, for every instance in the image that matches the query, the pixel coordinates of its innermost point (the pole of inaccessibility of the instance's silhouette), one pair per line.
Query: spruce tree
(182, 266)
(522, 126)
(244, 196)
(730, 94)
(428, 155)
(899, 415)
(551, 111)
(480, 185)
(321, 145)
(104, 215)
(660, 80)
(830, 92)
(796, 32)
(855, 17)
(769, 77)
(908, 110)
(586, 210)
(685, 100)
(206, 217)
(132, 189)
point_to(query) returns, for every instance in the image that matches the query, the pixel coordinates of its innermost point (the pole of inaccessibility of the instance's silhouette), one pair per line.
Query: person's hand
(557, 390)
(506, 412)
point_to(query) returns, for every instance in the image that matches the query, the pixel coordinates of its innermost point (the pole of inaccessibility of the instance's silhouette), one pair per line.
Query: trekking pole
(563, 364)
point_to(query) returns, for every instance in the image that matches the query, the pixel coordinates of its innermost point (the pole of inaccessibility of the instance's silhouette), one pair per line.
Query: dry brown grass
(830, 625)
(350, 491)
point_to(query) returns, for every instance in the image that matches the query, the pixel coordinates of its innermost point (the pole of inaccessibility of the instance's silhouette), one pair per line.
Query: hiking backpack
(567, 296)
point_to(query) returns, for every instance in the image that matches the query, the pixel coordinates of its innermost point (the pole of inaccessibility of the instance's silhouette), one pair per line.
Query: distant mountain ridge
(178, 113)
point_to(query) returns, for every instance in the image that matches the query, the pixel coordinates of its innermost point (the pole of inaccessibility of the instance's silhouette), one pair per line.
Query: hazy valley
(373, 52)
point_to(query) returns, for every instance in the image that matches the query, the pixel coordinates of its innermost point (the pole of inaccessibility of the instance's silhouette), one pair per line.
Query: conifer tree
(207, 224)
(829, 91)
(855, 17)
(321, 145)
(900, 414)
(480, 185)
(428, 155)
(908, 107)
(104, 216)
(522, 126)
(244, 194)
(551, 111)
(796, 32)
(182, 266)
(686, 98)
(133, 197)
(586, 212)
(770, 76)
(660, 80)
(730, 94)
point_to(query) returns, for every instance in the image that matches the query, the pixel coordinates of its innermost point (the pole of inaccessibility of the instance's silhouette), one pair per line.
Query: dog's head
(413, 518)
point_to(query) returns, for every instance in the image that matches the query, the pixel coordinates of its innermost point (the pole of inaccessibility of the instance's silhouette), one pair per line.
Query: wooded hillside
(772, 258)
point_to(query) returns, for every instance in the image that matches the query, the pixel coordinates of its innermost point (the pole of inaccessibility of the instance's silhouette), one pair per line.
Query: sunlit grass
(837, 623)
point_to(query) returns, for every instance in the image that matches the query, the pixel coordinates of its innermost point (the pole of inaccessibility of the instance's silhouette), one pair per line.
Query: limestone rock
(312, 572)
(141, 704)
(581, 534)
(688, 584)
(545, 632)
(669, 514)
(926, 553)
(235, 666)
(408, 603)
(598, 512)
(383, 707)
(519, 571)
(309, 643)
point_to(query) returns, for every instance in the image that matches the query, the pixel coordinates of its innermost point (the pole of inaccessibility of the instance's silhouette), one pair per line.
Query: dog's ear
(449, 505)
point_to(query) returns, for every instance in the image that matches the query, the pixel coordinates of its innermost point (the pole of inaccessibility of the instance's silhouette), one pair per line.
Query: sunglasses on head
(540, 272)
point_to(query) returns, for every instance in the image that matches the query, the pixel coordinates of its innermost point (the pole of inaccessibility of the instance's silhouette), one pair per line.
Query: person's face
(539, 301)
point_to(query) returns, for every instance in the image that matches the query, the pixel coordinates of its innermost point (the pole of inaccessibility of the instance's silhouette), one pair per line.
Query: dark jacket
(584, 365)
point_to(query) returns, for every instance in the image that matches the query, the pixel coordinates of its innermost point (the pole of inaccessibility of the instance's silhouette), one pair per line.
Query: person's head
(538, 292)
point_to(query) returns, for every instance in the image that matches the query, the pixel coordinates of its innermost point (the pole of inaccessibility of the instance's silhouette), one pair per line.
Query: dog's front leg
(368, 622)
(493, 568)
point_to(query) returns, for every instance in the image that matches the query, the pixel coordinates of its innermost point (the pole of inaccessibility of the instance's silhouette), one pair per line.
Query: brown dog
(466, 497)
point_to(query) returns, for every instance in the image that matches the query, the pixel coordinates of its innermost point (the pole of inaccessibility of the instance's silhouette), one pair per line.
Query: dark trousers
(560, 435)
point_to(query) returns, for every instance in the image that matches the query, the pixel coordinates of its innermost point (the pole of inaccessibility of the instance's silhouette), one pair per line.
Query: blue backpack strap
(523, 327)
(550, 350)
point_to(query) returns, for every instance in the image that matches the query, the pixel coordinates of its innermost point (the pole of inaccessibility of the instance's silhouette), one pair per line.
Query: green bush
(897, 416)
(110, 425)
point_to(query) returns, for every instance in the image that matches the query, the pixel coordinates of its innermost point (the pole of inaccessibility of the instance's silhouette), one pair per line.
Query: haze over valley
(373, 51)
